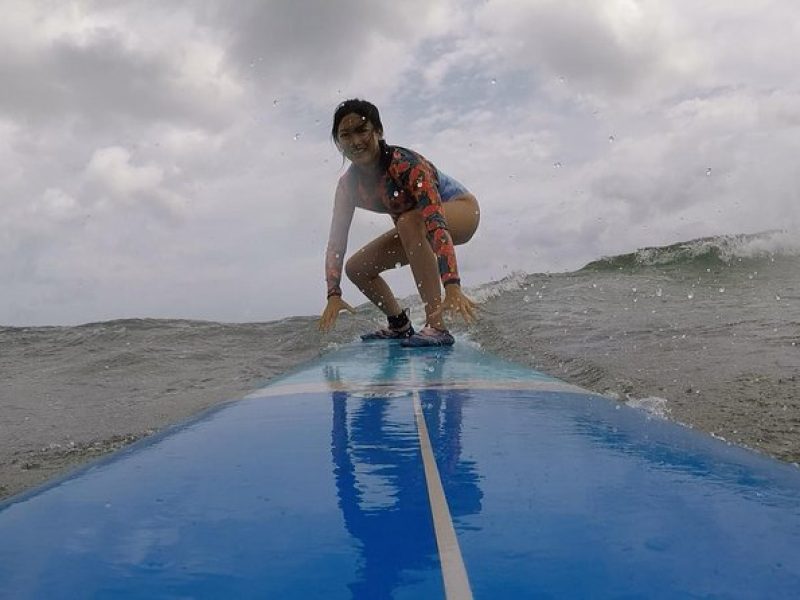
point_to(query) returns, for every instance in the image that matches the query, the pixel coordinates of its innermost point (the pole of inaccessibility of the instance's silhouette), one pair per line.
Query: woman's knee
(410, 223)
(355, 270)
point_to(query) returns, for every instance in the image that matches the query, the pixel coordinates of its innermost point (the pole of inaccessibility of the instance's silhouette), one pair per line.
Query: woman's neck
(369, 172)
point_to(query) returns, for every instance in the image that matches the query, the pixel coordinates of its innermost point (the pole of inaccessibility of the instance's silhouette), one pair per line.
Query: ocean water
(705, 332)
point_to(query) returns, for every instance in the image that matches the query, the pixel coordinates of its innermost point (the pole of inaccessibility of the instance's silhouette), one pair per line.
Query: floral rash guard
(409, 182)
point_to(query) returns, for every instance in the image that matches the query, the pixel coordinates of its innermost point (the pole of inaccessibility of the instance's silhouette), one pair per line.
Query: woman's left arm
(423, 185)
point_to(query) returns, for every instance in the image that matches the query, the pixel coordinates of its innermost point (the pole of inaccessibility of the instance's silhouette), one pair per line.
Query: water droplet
(690, 295)
(633, 289)
(397, 265)
(659, 292)
(396, 194)
(275, 102)
(296, 136)
(722, 290)
(557, 165)
(611, 139)
(708, 172)
(493, 81)
(777, 297)
(317, 121)
(526, 298)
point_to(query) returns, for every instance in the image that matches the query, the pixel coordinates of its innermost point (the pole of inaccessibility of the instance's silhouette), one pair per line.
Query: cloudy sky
(173, 159)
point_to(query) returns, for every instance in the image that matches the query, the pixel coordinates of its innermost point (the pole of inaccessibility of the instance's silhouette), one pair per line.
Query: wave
(722, 250)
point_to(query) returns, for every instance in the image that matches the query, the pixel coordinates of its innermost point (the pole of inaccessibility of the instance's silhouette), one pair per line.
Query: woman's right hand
(332, 309)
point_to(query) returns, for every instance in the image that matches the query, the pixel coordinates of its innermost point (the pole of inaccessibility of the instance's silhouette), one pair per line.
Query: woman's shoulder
(404, 160)
(347, 178)
(346, 185)
(399, 153)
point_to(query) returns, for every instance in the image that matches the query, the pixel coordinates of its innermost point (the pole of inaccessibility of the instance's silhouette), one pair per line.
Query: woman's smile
(359, 140)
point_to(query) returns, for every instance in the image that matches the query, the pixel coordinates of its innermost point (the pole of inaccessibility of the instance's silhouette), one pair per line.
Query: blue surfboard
(383, 472)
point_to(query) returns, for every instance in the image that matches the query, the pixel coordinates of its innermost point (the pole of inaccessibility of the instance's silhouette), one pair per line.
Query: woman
(431, 212)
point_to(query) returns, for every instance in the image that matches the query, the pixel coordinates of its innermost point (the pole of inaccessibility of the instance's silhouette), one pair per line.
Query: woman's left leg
(462, 215)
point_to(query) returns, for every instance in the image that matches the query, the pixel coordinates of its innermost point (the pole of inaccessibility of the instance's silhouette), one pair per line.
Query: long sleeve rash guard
(409, 182)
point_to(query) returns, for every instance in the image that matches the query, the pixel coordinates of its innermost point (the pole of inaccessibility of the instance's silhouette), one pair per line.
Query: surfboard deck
(383, 472)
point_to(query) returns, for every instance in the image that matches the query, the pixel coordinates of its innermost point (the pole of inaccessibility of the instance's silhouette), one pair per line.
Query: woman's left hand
(456, 301)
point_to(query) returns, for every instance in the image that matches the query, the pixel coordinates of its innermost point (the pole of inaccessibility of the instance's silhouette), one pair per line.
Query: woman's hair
(360, 107)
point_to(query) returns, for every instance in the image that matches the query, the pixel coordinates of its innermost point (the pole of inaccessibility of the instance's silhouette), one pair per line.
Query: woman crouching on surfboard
(432, 213)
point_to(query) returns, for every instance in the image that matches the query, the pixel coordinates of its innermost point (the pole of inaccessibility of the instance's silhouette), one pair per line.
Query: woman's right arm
(343, 208)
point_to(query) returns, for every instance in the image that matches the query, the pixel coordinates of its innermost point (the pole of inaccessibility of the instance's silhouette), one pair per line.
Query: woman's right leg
(365, 266)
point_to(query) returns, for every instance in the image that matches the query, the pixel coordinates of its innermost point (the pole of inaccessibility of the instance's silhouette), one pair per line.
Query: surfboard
(378, 471)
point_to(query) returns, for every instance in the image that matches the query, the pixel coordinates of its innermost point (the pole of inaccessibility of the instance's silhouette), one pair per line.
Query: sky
(174, 160)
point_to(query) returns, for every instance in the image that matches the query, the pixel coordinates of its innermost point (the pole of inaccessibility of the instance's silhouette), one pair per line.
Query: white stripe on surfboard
(456, 582)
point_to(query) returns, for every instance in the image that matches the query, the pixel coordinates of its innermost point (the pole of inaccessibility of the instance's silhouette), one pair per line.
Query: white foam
(652, 405)
(730, 248)
(471, 342)
(514, 281)
(772, 243)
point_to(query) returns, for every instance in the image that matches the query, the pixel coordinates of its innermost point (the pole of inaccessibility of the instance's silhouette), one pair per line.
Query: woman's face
(358, 140)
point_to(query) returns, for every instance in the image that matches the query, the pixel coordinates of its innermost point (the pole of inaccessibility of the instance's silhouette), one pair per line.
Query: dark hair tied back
(360, 107)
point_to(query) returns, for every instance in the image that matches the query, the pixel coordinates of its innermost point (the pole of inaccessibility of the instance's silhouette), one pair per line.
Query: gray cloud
(590, 46)
(107, 77)
(317, 41)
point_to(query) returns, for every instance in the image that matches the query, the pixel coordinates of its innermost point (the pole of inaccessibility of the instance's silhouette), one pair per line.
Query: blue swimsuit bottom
(450, 188)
